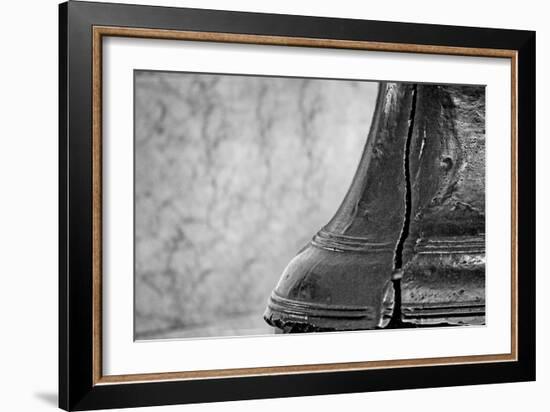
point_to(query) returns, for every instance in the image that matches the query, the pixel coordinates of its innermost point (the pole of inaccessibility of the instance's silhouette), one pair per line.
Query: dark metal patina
(444, 255)
(342, 279)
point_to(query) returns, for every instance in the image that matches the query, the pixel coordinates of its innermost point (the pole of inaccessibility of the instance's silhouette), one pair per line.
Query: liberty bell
(406, 246)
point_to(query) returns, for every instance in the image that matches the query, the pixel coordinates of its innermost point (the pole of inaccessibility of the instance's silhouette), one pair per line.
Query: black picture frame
(77, 389)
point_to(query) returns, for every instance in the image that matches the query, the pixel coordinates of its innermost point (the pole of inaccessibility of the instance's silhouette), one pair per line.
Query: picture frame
(83, 27)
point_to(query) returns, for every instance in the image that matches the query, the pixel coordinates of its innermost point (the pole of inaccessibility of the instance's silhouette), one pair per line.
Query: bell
(443, 262)
(342, 279)
(411, 229)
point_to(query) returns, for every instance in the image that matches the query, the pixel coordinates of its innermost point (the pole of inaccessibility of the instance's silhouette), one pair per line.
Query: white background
(28, 211)
(121, 355)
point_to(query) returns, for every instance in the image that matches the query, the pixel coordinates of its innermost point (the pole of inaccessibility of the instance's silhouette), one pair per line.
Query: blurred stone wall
(233, 175)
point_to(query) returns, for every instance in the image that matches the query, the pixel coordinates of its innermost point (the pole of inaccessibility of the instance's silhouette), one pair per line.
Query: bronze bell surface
(341, 280)
(444, 254)
(407, 243)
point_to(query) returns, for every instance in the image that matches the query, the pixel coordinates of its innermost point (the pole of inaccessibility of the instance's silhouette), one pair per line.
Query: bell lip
(283, 312)
(317, 309)
(449, 313)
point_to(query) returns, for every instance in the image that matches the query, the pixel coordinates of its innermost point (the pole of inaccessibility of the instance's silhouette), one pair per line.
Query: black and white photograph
(264, 205)
(269, 205)
(213, 206)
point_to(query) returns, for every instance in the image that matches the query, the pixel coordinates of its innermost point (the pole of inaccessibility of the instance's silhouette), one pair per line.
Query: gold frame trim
(101, 31)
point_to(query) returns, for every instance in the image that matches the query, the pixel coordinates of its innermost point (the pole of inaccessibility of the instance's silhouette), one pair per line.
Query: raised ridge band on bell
(448, 245)
(338, 242)
(288, 306)
(444, 311)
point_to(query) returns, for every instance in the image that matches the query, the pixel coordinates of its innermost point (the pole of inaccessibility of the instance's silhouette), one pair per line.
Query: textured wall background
(233, 175)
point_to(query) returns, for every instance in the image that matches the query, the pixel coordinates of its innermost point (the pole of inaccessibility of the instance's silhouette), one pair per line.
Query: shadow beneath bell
(49, 398)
